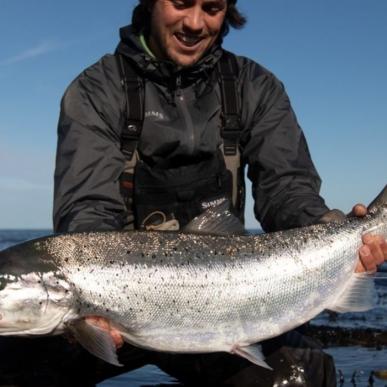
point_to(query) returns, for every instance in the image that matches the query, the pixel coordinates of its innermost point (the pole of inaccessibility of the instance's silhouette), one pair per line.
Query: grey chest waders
(159, 198)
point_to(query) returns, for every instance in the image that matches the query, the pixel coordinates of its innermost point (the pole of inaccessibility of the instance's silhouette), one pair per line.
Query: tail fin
(380, 200)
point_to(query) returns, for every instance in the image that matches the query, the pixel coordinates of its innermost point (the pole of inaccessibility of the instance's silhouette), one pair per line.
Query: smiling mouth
(188, 40)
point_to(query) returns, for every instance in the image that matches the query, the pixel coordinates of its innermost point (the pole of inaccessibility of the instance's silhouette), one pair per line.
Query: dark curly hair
(142, 14)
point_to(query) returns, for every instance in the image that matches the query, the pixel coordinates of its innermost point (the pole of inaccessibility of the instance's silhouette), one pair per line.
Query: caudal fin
(380, 200)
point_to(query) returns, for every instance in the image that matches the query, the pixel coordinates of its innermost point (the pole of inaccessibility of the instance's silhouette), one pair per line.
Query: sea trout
(186, 292)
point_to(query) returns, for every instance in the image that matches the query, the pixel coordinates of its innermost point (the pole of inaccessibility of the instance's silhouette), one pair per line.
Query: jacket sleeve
(88, 160)
(285, 182)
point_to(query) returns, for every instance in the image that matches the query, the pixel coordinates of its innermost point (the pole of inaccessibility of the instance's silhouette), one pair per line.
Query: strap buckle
(132, 131)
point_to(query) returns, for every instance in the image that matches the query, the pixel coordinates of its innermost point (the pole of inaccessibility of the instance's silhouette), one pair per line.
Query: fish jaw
(34, 304)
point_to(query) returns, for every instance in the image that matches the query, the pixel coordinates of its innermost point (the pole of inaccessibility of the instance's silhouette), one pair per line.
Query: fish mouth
(188, 40)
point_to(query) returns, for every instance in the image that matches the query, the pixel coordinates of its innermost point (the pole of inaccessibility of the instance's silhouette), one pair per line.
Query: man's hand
(104, 324)
(374, 249)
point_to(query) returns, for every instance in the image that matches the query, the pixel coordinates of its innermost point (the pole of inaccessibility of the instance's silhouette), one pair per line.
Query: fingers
(358, 210)
(117, 338)
(372, 253)
(367, 261)
(100, 322)
(377, 246)
(104, 324)
(384, 249)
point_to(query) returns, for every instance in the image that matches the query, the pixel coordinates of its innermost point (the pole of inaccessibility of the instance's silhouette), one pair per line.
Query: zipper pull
(178, 85)
(178, 82)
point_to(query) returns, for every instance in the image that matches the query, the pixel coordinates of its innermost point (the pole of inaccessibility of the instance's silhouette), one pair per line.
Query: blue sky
(331, 55)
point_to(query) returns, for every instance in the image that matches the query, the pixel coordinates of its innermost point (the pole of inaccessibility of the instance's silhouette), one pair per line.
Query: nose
(194, 19)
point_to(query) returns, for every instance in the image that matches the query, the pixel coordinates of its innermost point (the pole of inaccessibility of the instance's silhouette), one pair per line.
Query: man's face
(183, 30)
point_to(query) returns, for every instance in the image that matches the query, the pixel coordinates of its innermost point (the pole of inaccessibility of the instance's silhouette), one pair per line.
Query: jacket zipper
(181, 102)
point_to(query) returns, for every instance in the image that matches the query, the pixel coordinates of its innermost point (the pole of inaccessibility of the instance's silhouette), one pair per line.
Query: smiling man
(183, 31)
(152, 136)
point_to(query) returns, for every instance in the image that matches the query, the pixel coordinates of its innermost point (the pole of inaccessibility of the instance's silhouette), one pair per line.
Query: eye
(180, 4)
(213, 7)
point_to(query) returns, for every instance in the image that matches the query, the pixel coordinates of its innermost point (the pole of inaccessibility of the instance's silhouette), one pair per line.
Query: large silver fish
(185, 292)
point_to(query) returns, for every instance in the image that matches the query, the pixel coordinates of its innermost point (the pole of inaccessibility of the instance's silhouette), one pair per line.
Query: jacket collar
(163, 72)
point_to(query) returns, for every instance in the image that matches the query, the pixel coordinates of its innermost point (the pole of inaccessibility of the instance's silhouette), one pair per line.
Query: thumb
(358, 210)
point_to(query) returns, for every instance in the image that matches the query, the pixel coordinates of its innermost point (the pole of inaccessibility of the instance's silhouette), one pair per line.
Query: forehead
(195, 2)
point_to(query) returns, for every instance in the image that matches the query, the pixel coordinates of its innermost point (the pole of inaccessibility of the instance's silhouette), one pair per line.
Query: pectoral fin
(358, 296)
(95, 340)
(252, 353)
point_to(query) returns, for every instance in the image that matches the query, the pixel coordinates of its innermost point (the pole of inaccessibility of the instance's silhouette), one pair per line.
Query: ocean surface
(358, 365)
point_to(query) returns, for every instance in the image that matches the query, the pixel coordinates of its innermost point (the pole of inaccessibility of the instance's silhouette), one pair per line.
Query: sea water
(355, 365)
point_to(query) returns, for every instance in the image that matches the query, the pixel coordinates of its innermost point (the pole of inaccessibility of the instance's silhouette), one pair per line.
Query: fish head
(31, 304)
(34, 295)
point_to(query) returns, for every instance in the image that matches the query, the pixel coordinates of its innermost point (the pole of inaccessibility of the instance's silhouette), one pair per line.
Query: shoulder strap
(134, 90)
(229, 73)
(135, 95)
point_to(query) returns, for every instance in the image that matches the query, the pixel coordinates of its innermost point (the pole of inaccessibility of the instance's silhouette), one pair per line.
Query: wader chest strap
(134, 90)
(231, 128)
(228, 73)
(133, 84)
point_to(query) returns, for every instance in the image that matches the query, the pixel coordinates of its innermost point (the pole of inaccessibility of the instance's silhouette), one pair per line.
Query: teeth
(188, 39)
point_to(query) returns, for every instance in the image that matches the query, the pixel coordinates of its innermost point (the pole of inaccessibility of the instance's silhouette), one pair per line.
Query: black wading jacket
(182, 125)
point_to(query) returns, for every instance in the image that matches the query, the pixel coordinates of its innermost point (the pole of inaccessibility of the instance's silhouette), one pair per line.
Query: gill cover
(32, 304)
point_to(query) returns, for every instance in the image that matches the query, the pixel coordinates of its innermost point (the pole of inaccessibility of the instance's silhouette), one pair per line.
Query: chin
(186, 62)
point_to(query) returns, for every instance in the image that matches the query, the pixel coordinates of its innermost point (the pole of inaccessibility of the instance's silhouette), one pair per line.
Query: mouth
(188, 40)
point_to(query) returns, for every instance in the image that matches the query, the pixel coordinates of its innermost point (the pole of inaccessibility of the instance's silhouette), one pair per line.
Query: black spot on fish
(128, 252)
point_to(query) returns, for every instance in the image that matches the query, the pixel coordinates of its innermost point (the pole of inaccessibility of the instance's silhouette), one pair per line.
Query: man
(156, 154)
